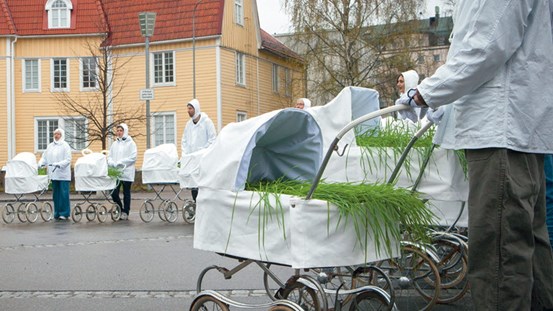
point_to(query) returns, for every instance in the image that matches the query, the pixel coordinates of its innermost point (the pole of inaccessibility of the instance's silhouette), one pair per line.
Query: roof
(29, 17)
(274, 46)
(173, 19)
(119, 18)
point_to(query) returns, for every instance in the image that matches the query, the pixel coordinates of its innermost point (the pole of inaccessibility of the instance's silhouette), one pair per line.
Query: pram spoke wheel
(91, 212)
(453, 267)
(102, 214)
(170, 211)
(77, 214)
(189, 212)
(372, 275)
(205, 303)
(22, 212)
(301, 294)
(115, 212)
(8, 213)
(32, 212)
(46, 211)
(370, 300)
(147, 211)
(415, 278)
(161, 211)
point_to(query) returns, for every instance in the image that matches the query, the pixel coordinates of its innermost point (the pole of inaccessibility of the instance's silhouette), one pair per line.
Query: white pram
(22, 178)
(91, 176)
(160, 171)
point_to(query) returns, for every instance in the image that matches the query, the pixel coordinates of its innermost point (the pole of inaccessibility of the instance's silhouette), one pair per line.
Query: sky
(274, 20)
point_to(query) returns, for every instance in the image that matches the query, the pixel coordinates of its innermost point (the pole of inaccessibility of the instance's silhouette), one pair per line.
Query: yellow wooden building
(51, 52)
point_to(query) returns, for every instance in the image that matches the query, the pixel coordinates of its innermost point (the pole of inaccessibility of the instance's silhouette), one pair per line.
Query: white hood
(411, 79)
(196, 104)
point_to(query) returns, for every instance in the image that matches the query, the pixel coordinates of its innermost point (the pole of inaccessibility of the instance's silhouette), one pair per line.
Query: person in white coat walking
(198, 134)
(499, 60)
(57, 158)
(122, 155)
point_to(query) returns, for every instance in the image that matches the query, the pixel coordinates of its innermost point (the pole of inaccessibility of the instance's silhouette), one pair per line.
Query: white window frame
(60, 124)
(240, 69)
(38, 89)
(164, 73)
(81, 74)
(239, 12)
(52, 73)
(154, 123)
(56, 22)
(241, 116)
(275, 79)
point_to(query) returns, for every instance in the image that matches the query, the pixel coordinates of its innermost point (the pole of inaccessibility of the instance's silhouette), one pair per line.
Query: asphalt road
(125, 265)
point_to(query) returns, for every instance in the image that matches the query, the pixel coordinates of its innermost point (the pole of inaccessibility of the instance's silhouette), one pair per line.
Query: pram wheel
(301, 294)
(147, 211)
(22, 212)
(32, 212)
(453, 267)
(208, 303)
(8, 213)
(170, 211)
(77, 214)
(372, 275)
(370, 300)
(189, 212)
(91, 212)
(115, 212)
(46, 211)
(102, 214)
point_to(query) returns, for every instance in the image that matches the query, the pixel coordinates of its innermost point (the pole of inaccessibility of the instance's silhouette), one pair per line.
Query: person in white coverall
(198, 134)
(58, 159)
(303, 103)
(122, 155)
(499, 60)
(406, 81)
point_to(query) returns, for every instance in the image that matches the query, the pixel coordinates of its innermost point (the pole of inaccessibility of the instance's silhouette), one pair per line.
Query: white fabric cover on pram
(91, 173)
(160, 165)
(22, 175)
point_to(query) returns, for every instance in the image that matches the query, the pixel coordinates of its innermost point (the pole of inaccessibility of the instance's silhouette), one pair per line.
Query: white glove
(111, 163)
(408, 113)
(435, 115)
(120, 165)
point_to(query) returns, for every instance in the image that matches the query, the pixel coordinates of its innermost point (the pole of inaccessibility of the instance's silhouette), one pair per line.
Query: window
(31, 75)
(59, 13)
(436, 58)
(45, 132)
(60, 75)
(241, 116)
(239, 12)
(275, 78)
(240, 69)
(420, 59)
(287, 82)
(75, 132)
(164, 129)
(89, 73)
(164, 68)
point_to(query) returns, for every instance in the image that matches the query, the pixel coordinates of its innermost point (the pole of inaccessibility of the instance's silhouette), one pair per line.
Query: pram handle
(346, 129)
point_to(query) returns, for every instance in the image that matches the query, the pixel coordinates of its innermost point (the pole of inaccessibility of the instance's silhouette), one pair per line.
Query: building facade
(215, 49)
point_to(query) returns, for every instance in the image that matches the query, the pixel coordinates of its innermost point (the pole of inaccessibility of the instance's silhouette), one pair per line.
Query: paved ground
(127, 265)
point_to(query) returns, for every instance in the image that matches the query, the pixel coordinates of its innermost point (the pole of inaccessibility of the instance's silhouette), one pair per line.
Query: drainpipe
(219, 88)
(10, 83)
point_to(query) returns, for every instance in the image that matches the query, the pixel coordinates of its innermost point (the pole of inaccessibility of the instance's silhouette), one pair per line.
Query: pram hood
(162, 157)
(284, 143)
(350, 104)
(91, 165)
(24, 164)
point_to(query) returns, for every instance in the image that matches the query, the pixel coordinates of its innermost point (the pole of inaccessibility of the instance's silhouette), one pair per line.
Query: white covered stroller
(22, 178)
(91, 176)
(160, 171)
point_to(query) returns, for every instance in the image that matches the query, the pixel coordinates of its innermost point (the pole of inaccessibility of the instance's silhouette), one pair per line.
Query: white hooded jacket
(123, 153)
(498, 64)
(199, 135)
(58, 159)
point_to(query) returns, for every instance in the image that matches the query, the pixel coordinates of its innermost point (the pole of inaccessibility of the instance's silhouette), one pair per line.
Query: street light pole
(147, 22)
(194, 48)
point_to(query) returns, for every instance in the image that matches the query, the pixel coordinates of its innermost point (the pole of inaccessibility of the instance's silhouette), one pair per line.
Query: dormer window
(59, 13)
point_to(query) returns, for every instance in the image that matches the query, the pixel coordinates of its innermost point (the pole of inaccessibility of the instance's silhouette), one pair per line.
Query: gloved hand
(120, 165)
(111, 163)
(435, 115)
(408, 113)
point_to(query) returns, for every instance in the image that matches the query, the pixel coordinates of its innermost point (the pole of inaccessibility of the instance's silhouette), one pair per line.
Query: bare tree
(350, 42)
(99, 108)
